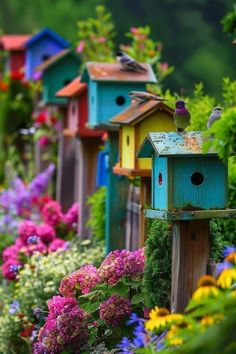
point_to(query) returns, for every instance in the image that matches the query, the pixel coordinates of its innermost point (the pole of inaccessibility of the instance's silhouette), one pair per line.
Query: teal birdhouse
(183, 177)
(57, 72)
(108, 89)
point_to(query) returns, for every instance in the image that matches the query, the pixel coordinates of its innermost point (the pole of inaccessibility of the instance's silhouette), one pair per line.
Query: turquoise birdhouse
(183, 177)
(57, 72)
(108, 89)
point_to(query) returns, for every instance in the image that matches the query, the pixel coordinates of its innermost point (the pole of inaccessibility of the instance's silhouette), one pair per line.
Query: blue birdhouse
(108, 89)
(102, 168)
(42, 46)
(183, 177)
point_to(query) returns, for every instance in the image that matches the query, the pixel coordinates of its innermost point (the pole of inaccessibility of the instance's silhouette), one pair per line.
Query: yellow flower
(207, 321)
(172, 336)
(226, 278)
(231, 258)
(206, 288)
(158, 318)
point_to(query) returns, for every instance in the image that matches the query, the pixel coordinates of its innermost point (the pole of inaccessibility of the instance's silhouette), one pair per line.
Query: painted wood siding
(127, 148)
(57, 77)
(160, 183)
(157, 122)
(93, 103)
(36, 52)
(211, 194)
(108, 93)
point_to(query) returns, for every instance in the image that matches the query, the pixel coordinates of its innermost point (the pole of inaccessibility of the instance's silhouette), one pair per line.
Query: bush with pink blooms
(94, 304)
(43, 238)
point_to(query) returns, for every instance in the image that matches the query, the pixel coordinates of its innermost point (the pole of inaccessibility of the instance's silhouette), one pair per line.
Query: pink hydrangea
(115, 309)
(58, 245)
(26, 229)
(122, 263)
(86, 277)
(10, 268)
(71, 217)
(30, 249)
(57, 305)
(52, 214)
(65, 327)
(46, 233)
(44, 140)
(10, 252)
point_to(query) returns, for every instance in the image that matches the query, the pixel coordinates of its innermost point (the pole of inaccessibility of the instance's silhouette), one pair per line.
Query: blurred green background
(190, 31)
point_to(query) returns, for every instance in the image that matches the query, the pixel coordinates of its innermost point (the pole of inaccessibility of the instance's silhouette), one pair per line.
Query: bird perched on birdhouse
(214, 116)
(128, 63)
(181, 116)
(142, 97)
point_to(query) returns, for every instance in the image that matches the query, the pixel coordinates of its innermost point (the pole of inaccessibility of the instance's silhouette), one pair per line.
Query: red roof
(14, 41)
(74, 88)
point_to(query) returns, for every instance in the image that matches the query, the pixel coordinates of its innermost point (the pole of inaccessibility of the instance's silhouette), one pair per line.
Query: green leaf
(90, 307)
(119, 289)
(137, 298)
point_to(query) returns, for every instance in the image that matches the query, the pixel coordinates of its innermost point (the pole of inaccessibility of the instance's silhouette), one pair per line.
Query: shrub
(97, 212)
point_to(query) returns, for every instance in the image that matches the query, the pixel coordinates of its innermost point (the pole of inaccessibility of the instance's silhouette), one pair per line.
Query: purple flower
(125, 346)
(228, 250)
(222, 266)
(37, 312)
(33, 240)
(14, 307)
(40, 182)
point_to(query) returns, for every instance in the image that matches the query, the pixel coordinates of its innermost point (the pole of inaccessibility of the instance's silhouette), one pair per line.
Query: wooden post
(145, 199)
(116, 200)
(66, 171)
(86, 162)
(190, 254)
(132, 218)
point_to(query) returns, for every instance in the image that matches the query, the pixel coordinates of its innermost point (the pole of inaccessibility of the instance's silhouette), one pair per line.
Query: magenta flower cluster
(115, 309)
(84, 278)
(122, 263)
(65, 327)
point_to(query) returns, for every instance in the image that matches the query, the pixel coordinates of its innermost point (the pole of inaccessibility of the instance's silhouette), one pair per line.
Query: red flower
(41, 119)
(53, 120)
(3, 86)
(16, 75)
(27, 331)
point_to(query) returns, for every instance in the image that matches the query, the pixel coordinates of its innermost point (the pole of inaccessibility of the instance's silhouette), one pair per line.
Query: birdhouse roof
(138, 111)
(47, 32)
(55, 59)
(73, 89)
(174, 144)
(12, 42)
(113, 72)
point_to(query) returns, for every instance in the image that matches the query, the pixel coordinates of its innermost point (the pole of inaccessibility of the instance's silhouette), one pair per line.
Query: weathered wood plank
(190, 215)
(190, 254)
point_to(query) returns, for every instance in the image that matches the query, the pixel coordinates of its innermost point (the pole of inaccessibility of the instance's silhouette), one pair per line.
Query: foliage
(146, 50)
(157, 271)
(205, 326)
(96, 219)
(37, 282)
(96, 37)
(16, 102)
(229, 22)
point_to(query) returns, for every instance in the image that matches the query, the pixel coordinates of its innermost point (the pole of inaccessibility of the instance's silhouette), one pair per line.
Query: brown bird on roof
(141, 96)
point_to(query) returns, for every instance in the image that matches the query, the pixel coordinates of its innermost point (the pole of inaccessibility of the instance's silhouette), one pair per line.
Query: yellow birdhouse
(135, 123)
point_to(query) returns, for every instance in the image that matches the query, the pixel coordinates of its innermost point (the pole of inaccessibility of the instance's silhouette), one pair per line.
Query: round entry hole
(197, 178)
(120, 100)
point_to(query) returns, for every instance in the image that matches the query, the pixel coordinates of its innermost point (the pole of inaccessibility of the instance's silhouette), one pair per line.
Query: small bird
(142, 97)
(181, 116)
(215, 115)
(128, 63)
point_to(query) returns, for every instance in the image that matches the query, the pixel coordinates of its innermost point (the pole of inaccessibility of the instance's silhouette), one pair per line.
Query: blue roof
(174, 144)
(50, 33)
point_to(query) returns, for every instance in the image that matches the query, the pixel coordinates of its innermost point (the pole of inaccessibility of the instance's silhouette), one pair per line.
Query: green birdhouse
(57, 72)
